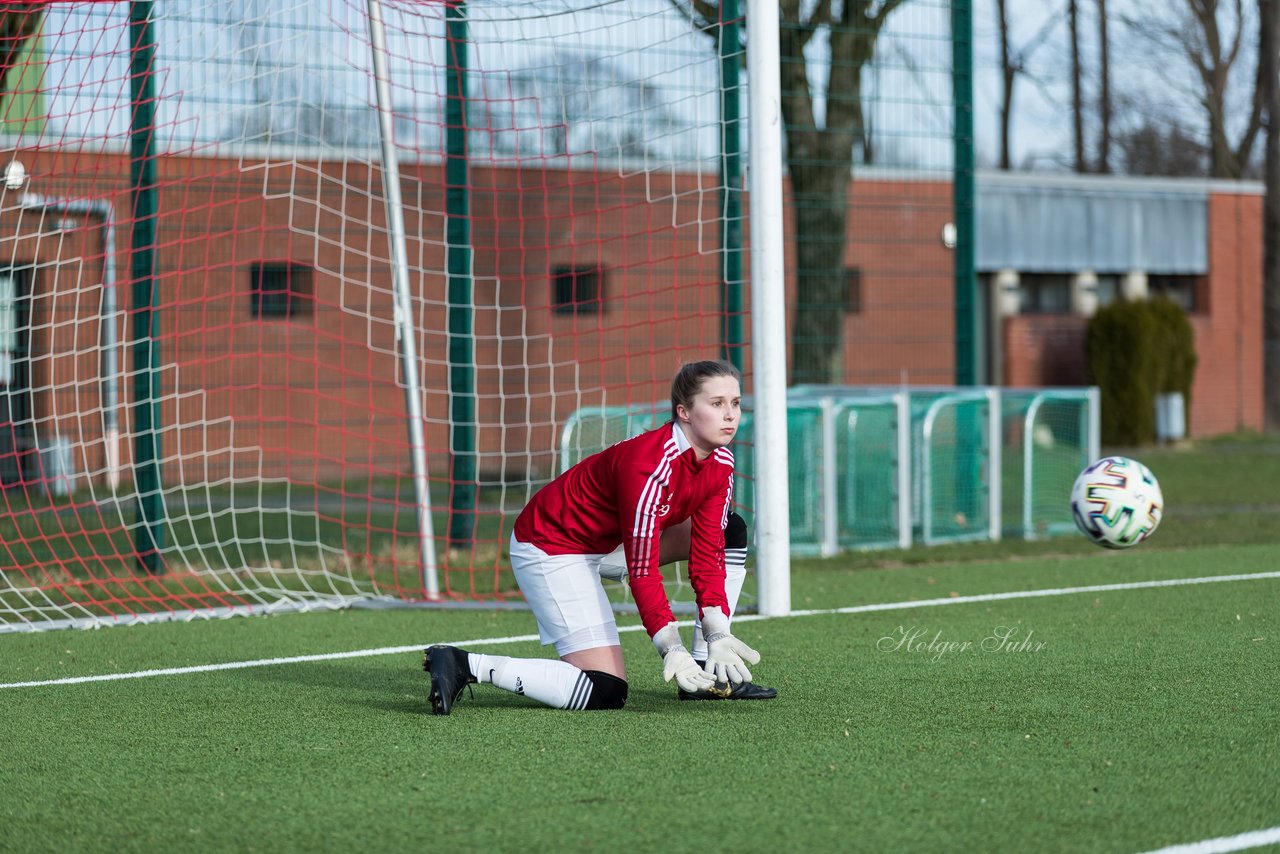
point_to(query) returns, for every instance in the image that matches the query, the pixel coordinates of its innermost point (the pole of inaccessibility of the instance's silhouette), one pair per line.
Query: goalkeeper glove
(678, 664)
(727, 656)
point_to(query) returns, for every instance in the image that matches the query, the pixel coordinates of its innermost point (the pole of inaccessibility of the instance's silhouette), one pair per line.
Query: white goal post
(768, 311)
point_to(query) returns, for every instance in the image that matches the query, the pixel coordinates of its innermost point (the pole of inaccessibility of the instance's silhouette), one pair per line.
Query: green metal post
(731, 338)
(148, 531)
(966, 323)
(462, 405)
(969, 460)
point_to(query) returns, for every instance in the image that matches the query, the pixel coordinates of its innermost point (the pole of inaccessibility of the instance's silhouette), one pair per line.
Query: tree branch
(797, 96)
(821, 16)
(1237, 37)
(702, 16)
(877, 23)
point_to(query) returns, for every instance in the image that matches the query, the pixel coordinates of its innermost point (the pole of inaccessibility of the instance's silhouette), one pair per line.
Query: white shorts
(614, 565)
(566, 597)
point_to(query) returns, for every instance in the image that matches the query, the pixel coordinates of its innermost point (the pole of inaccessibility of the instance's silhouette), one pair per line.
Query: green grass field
(1111, 720)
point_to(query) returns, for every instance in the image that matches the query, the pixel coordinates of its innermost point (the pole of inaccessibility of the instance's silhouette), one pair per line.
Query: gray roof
(1065, 223)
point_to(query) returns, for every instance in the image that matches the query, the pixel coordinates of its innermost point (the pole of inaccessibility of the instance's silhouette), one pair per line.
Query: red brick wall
(318, 396)
(1044, 350)
(906, 327)
(1227, 395)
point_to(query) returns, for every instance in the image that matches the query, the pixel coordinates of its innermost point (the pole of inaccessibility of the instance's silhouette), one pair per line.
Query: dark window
(279, 289)
(1045, 293)
(19, 459)
(1109, 290)
(1180, 289)
(852, 290)
(577, 290)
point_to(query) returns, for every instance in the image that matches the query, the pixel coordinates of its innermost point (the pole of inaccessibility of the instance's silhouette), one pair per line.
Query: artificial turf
(1132, 719)
(1110, 720)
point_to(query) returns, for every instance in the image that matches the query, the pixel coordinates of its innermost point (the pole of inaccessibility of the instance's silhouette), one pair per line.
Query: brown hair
(692, 375)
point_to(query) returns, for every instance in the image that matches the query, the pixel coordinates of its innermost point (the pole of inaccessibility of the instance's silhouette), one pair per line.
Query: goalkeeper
(627, 495)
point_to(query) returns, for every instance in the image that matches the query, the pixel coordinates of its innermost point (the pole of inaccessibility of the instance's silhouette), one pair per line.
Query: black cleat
(450, 673)
(741, 691)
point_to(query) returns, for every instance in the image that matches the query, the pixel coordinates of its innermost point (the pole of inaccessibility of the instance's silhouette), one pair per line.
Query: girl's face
(711, 420)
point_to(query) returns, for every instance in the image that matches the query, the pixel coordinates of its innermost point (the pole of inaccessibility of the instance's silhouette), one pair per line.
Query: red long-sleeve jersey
(629, 493)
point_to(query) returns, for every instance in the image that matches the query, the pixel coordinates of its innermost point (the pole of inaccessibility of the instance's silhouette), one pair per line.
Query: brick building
(1052, 249)
(278, 347)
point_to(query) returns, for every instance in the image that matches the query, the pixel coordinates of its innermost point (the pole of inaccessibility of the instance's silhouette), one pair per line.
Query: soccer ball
(1117, 502)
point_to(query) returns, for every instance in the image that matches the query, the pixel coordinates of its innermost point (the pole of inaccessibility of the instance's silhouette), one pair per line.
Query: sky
(221, 57)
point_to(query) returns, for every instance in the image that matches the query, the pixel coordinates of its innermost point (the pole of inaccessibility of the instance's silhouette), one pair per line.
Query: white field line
(1239, 842)
(855, 609)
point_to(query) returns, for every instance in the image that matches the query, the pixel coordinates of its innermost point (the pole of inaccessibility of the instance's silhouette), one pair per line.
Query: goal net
(207, 291)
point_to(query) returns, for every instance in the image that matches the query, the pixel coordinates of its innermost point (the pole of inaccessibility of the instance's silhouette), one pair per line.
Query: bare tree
(820, 163)
(1077, 93)
(1209, 35)
(1014, 63)
(289, 103)
(1213, 53)
(1008, 76)
(1269, 96)
(1160, 147)
(588, 103)
(819, 158)
(1104, 91)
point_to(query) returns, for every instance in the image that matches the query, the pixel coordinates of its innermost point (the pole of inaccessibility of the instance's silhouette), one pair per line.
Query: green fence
(875, 468)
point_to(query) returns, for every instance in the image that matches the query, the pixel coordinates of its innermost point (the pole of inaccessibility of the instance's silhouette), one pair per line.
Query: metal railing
(883, 468)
